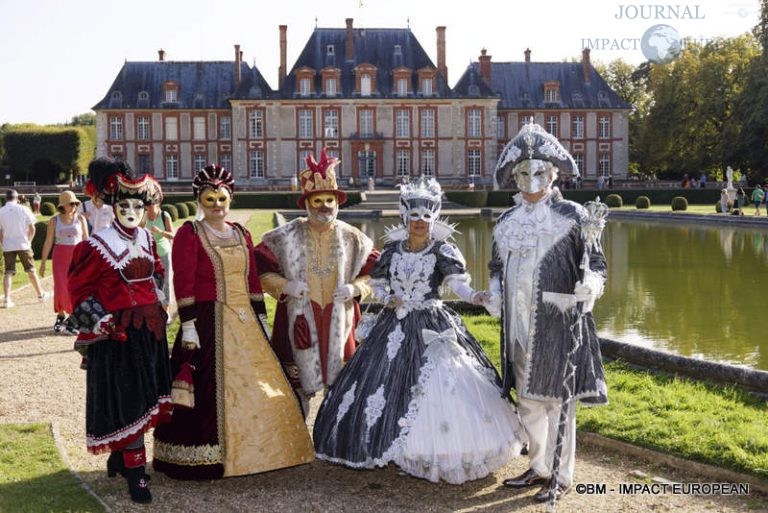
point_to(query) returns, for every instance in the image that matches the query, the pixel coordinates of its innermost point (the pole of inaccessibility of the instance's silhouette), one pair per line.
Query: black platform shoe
(138, 486)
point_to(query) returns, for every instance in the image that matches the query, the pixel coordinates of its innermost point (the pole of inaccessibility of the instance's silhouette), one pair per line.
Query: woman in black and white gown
(420, 392)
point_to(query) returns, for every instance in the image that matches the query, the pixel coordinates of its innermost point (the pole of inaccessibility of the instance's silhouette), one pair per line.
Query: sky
(58, 58)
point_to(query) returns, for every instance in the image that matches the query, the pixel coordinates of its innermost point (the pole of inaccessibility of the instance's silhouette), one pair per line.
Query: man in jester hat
(317, 267)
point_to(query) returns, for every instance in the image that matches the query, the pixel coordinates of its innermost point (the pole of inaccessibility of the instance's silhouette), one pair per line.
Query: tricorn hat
(320, 177)
(532, 143)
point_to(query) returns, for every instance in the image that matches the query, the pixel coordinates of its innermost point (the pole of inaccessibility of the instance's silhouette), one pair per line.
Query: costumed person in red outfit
(236, 413)
(113, 281)
(316, 266)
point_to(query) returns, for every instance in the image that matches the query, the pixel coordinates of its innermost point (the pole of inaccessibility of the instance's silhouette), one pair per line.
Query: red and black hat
(213, 176)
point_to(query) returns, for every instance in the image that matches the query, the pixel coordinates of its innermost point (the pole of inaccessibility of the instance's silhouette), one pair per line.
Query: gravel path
(42, 382)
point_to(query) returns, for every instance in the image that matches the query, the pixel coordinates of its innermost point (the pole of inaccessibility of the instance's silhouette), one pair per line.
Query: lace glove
(345, 293)
(106, 326)
(189, 336)
(296, 289)
(492, 298)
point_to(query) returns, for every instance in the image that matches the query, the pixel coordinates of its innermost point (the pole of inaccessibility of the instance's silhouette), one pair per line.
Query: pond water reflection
(695, 290)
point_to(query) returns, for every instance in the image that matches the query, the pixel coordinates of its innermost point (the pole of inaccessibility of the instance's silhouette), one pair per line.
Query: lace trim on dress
(395, 340)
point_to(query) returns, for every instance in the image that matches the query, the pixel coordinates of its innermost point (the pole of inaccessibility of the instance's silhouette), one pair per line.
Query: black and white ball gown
(420, 392)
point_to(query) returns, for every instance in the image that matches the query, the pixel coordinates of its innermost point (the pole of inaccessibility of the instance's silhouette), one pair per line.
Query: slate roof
(521, 86)
(371, 46)
(202, 85)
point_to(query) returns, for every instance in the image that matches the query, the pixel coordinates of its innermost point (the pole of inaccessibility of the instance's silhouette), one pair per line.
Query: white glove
(297, 289)
(345, 293)
(588, 290)
(189, 336)
(493, 305)
(481, 297)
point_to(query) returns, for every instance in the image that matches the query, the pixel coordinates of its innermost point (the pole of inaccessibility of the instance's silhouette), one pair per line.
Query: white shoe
(45, 295)
(8, 303)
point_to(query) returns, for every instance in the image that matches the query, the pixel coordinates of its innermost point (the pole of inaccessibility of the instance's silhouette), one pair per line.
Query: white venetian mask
(129, 212)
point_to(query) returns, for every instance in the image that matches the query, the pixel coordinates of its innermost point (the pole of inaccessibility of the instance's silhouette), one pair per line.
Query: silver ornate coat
(537, 252)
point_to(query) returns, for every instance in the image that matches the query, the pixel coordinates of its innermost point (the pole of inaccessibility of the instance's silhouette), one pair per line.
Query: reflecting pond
(695, 290)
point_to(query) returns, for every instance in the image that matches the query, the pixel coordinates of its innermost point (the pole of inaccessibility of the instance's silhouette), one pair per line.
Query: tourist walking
(420, 392)
(236, 413)
(98, 214)
(160, 225)
(17, 229)
(546, 273)
(758, 194)
(36, 200)
(65, 231)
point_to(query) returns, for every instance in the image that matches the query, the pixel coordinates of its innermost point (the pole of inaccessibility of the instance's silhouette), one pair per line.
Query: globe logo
(661, 43)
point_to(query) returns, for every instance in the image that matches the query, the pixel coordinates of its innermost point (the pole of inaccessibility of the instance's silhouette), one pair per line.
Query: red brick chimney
(161, 55)
(586, 65)
(282, 71)
(441, 68)
(349, 47)
(485, 67)
(238, 71)
(527, 55)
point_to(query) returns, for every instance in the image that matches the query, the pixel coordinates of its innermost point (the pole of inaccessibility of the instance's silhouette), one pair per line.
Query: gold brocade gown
(262, 425)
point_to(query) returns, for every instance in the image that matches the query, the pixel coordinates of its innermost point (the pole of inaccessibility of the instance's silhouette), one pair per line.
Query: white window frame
(501, 127)
(140, 160)
(256, 164)
(428, 123)
(366, 122)
(604, 164)
(225, 127)
(551, 95)
(198, 162)
(116, 128)
(474, 123)
(142, 128)
(171, 95)
(402, 124)
(225, 161)
(403, 162)
(172, 166)
(578, 158)
(303, 154)
(428, 162)
(474, 163)
(604, 127)
(402, 87)
(331, 123)
(577, 126)
(365, 85)
(330, 86)
(426, 87)
(552, 123)
(256, 124)
(306, 122)
(304, 86)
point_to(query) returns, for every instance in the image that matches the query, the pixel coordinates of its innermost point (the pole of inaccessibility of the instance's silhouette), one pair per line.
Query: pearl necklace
(407, 245)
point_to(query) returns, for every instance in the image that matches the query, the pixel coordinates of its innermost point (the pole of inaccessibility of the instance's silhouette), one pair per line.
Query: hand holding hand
(189, 337)
(296, 289)
(493, 305)
(481, 297)
(345, 293)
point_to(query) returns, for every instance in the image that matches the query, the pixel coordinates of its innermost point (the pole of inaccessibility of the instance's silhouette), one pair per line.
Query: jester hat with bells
(320, 177)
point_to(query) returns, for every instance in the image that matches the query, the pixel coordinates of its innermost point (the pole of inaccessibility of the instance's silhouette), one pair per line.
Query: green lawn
(722, 426)
(33, 477)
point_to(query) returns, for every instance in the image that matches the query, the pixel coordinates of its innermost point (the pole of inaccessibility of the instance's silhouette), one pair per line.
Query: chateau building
(373, 97)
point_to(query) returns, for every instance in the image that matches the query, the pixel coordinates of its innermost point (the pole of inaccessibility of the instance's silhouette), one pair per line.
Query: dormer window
(330, 50)
(402, 81)
(365, 79)
(304, 87)
(427, 78)
(552, 92)
(171, 92)
(331, 77)
(116, 100)
(398, 50)
(117, 96)
(402, 87)
(143, 96)
(305, 82)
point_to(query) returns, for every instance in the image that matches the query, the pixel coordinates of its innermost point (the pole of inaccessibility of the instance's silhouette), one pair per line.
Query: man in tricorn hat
(546, 273)
(316, 266)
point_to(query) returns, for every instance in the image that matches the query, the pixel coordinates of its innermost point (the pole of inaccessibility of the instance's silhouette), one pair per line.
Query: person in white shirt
(17, 228)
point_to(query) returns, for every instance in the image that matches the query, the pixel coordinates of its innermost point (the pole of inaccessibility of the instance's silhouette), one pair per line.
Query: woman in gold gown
(235, 412)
